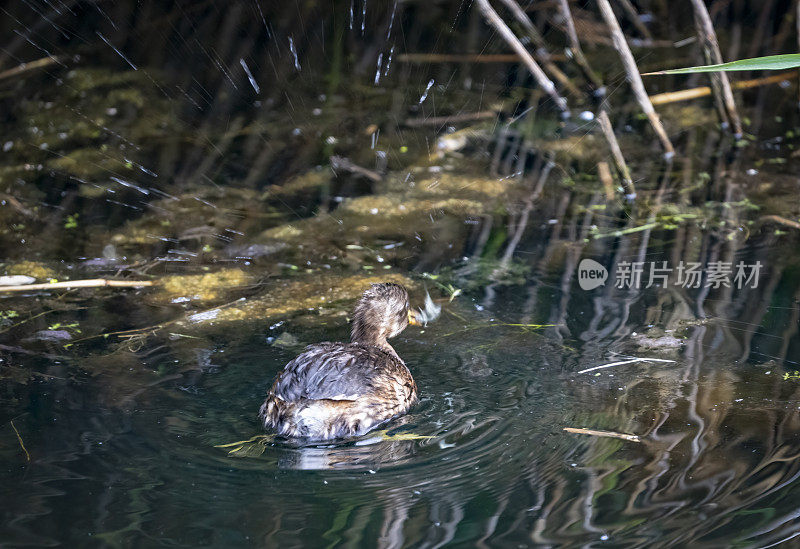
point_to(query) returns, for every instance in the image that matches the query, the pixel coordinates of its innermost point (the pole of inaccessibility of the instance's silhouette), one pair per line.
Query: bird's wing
(332, 371)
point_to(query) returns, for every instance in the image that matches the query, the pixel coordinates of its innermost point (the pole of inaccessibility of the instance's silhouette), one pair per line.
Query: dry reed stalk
(604, 172)
(719, 80)
(541, 46)
(704, 91)
(634, 77)
(633, 15)
(575, 47)
(541, 78)
(616, 152)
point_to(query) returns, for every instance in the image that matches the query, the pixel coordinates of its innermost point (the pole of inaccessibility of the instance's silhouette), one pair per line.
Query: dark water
(113, 403)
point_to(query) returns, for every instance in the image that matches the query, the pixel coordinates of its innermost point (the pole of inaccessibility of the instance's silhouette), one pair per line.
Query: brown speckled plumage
(334, 390)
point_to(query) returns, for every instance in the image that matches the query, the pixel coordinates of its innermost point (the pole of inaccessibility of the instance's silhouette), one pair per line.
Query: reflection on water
(113, 406)
(717, 462)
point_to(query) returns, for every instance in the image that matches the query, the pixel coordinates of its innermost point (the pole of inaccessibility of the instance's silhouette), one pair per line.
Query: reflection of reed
(678, 465)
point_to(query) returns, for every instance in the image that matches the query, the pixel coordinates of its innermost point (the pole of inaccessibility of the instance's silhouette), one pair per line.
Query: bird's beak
(421, 317)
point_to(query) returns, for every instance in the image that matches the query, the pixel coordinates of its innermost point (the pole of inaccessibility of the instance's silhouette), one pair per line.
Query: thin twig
(541, 78)
(616, 152)
(719, 80)
(609, 434)
(633, 76)
(621, 362)
(22, 444)
(88, 283)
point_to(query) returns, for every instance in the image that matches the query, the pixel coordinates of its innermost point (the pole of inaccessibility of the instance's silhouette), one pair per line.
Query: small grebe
(335, 390)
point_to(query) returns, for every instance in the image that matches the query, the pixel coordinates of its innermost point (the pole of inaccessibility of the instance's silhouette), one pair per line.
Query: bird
(342, 390)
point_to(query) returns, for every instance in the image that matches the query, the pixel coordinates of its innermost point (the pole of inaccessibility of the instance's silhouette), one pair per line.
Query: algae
(204, 287)
(309, 293)
(35, 269)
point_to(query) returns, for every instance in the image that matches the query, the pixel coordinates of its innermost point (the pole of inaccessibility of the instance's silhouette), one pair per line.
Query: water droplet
(294, 53)
(378, 72)
(425, 93)
(250, 75)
